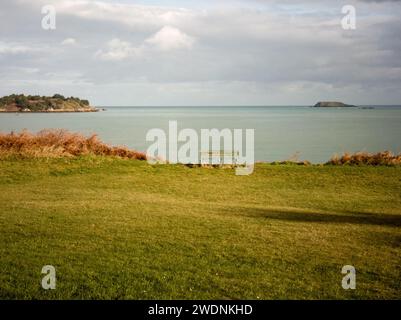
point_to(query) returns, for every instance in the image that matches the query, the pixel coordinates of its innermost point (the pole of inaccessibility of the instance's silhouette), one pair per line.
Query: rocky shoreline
(50, 111)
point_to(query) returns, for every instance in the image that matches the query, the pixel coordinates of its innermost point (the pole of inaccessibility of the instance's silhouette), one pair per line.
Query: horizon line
(235, 106)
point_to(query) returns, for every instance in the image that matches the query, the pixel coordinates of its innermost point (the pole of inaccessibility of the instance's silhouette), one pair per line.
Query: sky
(203, 53)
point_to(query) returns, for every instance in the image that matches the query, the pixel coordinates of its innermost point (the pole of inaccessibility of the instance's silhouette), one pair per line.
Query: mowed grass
(122, 229)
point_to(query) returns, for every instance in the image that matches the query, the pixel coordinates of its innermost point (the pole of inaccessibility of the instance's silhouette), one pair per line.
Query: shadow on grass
(392, 220)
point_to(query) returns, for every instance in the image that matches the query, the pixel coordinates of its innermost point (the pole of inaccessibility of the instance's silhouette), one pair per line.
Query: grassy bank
(123, 229)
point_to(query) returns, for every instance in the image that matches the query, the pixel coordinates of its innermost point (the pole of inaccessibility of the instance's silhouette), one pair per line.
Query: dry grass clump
(385, 158)
(60, 143)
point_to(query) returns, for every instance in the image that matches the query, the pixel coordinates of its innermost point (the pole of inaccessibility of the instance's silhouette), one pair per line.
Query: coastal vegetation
(115, 227)
(60, 143)
(36, 103)
(385, 158)
(63, 143)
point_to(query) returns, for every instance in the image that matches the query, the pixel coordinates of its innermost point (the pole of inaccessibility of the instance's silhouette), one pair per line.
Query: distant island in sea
(36, 103)
(332, 104)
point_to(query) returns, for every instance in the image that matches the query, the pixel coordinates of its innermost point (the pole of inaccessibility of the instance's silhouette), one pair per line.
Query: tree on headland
(58, 96)
(22, 101)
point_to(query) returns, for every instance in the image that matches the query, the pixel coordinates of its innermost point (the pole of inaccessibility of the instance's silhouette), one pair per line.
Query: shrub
(60, 143)
(385, 158)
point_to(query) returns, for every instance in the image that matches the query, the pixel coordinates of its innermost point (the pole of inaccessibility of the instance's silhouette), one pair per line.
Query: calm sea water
(315, 134)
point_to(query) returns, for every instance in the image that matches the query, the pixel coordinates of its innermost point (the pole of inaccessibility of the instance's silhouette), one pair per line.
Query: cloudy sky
(209, 52)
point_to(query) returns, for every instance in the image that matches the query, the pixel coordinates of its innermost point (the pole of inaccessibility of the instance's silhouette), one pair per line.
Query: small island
(56, 103)
(332, 104)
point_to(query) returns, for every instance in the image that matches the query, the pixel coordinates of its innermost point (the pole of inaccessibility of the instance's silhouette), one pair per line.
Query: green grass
(121, 229)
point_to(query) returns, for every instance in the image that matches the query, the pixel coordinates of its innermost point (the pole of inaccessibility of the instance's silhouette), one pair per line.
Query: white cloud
(166, 39)
(68, 42)
(133, 15)
(14, 48)
(118, 50)
(25, 70)
(170, 38)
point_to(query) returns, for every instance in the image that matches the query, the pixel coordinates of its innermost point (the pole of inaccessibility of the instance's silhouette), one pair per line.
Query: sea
(281, 133)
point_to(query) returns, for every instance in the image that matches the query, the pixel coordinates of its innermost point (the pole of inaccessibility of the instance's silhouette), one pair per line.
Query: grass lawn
(122, 229)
